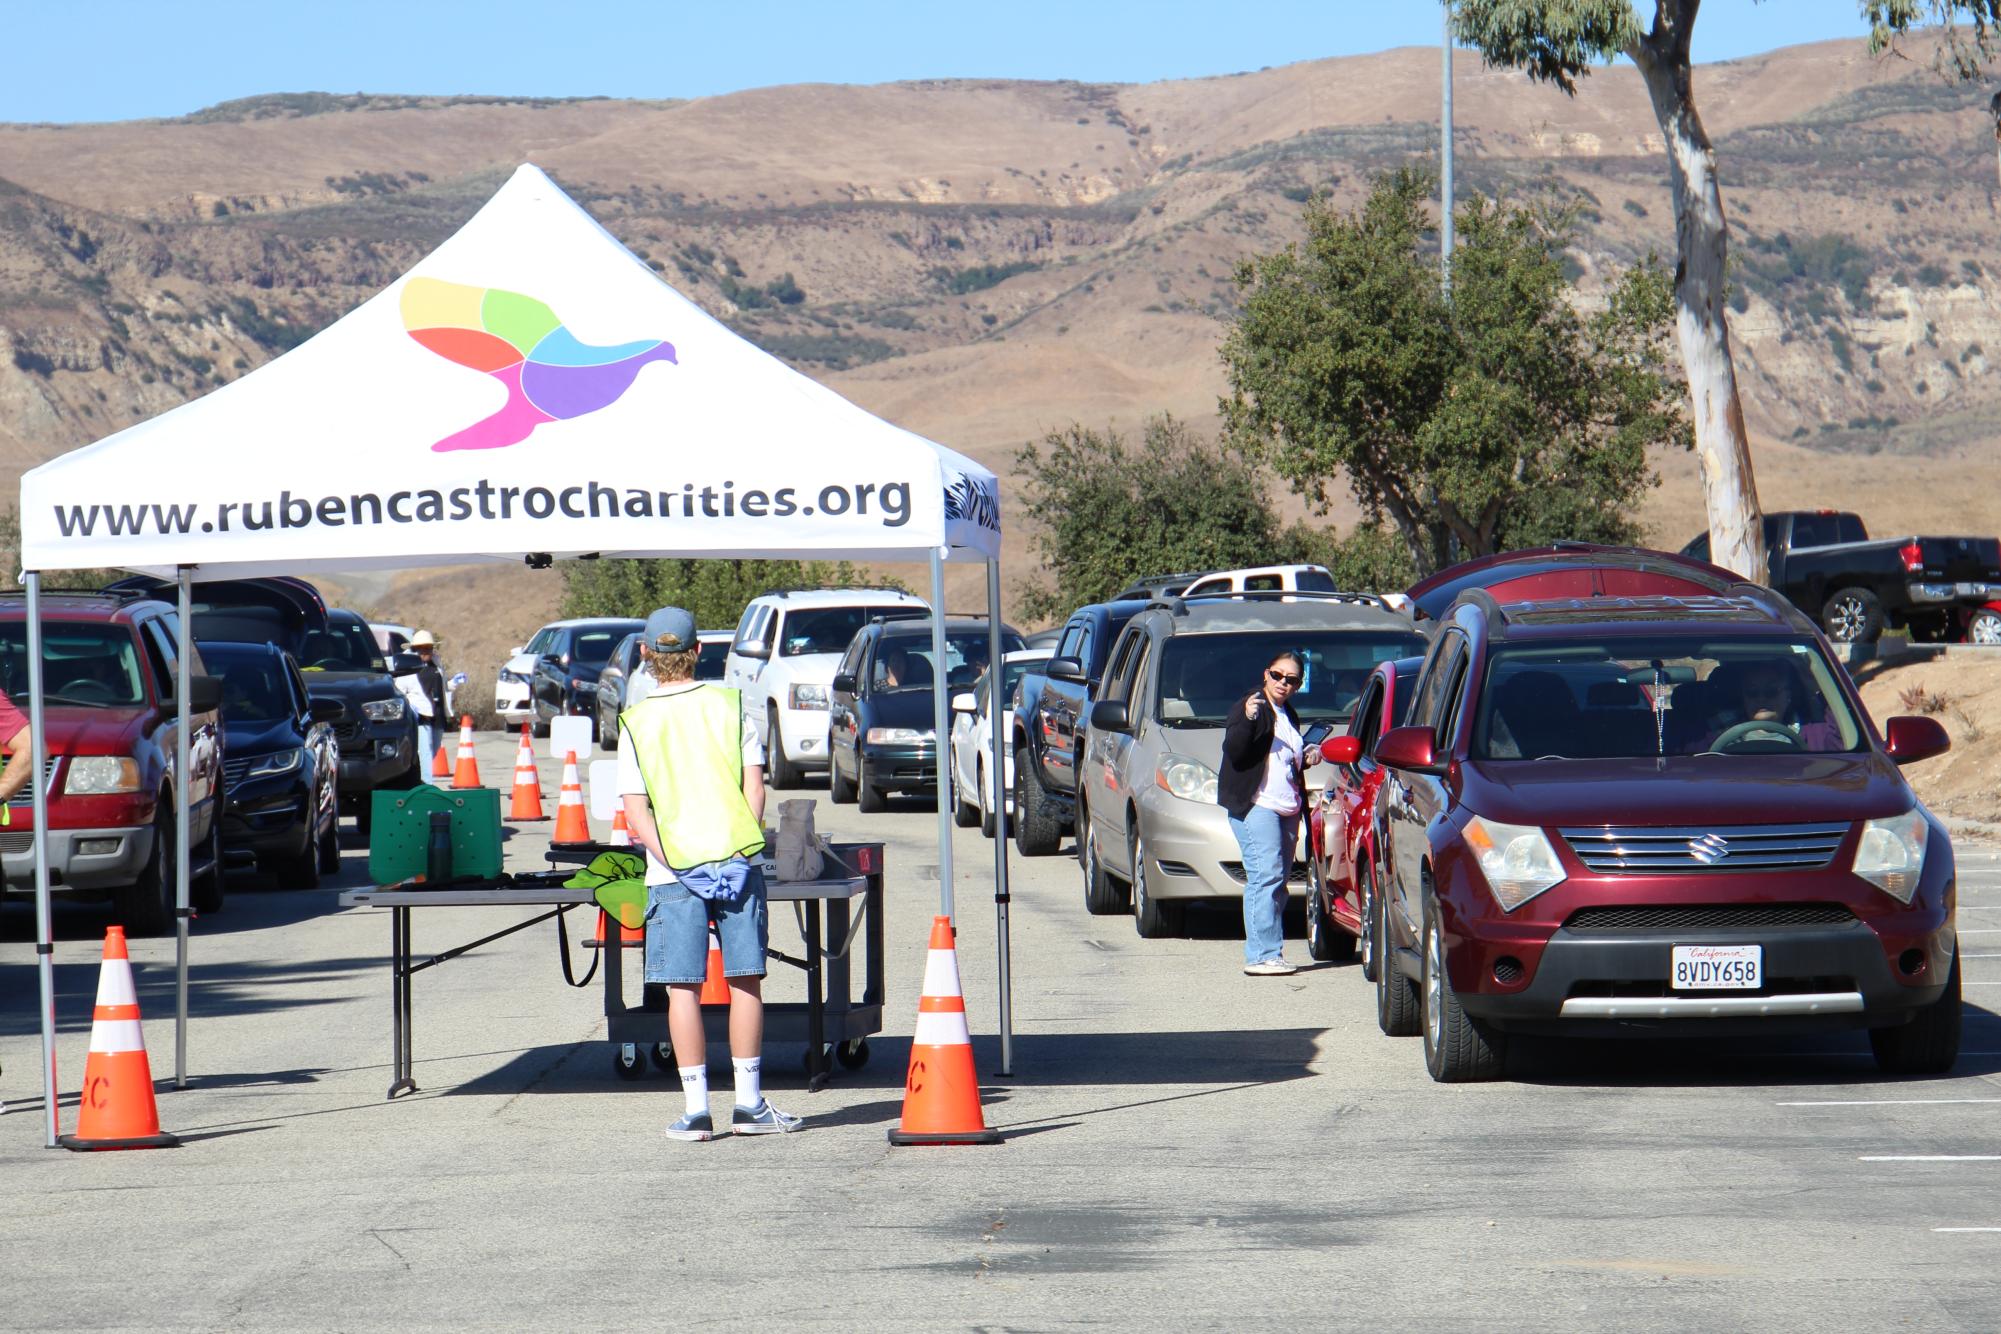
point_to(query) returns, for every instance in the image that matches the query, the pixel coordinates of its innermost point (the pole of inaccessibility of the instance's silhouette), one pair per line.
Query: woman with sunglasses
(1262, 785)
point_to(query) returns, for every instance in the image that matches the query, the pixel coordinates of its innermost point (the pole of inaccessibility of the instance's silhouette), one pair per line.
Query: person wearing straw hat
(692, 779)
(428, 693)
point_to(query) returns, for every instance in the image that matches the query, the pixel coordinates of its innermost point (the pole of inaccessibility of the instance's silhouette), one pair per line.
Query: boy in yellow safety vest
(692, 778)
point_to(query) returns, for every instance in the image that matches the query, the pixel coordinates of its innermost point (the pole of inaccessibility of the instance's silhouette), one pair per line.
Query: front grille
(1660, 990)
(1643, 850)
(1700, 917)
(1235, 870)
(26, 796)
(233, 772)
(17, 840)
(346, 734)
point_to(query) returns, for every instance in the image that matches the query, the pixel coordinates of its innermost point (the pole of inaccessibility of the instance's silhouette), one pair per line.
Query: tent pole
(996, 703)
(44, 927)
(182, 852)
(941, 723)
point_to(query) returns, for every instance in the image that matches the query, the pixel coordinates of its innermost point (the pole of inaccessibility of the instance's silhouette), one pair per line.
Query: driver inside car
(1764, 694)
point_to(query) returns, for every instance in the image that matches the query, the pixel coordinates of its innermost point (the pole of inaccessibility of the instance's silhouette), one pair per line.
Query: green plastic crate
(400, 837)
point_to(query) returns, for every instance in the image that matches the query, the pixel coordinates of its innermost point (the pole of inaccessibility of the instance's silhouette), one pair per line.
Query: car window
(904, 661)
(1364, 726)
(543, 642)
(1313, 581)
(828, 629)
(1814, 530)
(301, 701)
(1132, 683)
(344, 646)
(1264, 583)
(1202, 586)
(1073, 634)
(851, 661)
(1849, 528)
(743, 626)
(593, 646)
(1427, 708)
(1455, 704)
(1200, 676)
(83, 663)
(1086, 640)
(160, 658)
(254, 688)
(709, 664)
(1119, 673)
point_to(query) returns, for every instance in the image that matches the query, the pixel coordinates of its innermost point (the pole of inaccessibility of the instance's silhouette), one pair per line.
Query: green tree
(1557, 41)
(715, 591)
(1496, 417)
(1105, 511)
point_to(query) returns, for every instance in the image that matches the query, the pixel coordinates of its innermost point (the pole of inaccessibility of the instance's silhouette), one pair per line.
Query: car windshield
(830, 629)
(1680, 695)
(590, 648)
(903, 661)
(1011, 674)
(81, 664)
(1202, 675)
(253, 688)
(709, 665)
(344, 646)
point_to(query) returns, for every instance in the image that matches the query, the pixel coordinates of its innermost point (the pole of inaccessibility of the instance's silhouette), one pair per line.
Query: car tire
(146, 906)
(871, 799)
(607, 735)
(1458, 1049)
(1929, 1043)
(1326, 942)
(1104, 896)
(839, 789)
(1984, 627)
(964, 814)
(1396, 995)
(782, 772)
(1365, 884)
(298, 870)
(1852, 616)
(206, 893)
(364, 815)
(987, 821)
(538, 725)
(329, 848)
(1152, 918)
(1037, 833)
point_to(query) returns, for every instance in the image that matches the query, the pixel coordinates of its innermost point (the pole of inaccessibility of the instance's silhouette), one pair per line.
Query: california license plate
(1719, 967)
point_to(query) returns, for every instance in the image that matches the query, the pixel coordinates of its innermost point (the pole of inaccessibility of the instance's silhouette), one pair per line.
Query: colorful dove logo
(549, 375)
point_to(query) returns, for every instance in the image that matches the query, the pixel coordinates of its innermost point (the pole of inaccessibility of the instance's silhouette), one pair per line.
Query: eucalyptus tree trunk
(1736, 527)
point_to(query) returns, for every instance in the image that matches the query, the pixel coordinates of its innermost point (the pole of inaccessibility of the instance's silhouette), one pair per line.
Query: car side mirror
(325, 710)
(1111, 715)
(1067, 669)
(1409, 748)
(755, 648)
(965, 703)
(1340, 750)
(405, 664)
(844, 683)
(1909, 739)
(204, 694)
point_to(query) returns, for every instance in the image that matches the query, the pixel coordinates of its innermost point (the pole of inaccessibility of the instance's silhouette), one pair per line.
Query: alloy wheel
(1847, 617)
(1984, 628)
(1367, 922)
(1434, 983)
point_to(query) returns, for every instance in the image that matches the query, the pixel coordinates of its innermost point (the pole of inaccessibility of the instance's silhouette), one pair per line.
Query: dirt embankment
(1965, 783)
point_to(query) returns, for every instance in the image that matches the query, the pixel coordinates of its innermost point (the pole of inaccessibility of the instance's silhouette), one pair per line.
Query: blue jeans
(427, 746)
(1268, 840)
(677, 932)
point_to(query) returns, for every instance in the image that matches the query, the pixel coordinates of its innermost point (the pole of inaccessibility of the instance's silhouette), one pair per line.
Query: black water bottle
(438, 860)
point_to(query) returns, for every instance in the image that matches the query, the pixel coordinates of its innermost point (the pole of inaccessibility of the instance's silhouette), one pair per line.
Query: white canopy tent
(529, 390)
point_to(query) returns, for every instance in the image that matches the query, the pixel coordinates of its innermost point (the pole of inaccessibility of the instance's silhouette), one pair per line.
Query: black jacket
(1246, 752)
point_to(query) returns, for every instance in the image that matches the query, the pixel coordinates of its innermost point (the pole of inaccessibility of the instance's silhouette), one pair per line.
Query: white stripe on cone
(940, 1028)
(114, 1035)
(114, 983)
(941, 973)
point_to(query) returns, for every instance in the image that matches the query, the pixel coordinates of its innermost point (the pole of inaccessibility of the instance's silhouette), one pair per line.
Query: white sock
(749, 1080)
(695, 1088)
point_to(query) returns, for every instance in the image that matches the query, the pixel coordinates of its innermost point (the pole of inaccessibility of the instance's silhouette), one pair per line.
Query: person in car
(890, 669)
(1262, 787)
(1765, 693)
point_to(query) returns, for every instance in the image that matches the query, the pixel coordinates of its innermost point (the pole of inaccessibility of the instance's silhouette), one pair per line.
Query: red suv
(108, 710)
(1663, 814)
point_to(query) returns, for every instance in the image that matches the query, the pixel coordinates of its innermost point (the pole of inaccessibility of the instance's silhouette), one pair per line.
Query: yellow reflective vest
(689, 747)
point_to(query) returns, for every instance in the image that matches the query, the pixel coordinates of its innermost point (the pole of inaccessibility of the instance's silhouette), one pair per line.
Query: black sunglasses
(1284, 678)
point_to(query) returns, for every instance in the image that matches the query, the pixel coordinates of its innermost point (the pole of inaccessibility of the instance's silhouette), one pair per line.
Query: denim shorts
(677, 932)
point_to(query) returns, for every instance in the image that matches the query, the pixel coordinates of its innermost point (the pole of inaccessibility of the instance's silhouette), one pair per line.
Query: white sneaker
(1269, 968)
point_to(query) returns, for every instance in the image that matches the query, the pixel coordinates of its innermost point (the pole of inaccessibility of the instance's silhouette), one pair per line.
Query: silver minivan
(1150, 833)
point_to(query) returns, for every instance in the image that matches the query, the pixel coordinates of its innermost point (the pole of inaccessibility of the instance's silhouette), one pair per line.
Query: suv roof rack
(1179, 605)
(787, 592)
(118, 595)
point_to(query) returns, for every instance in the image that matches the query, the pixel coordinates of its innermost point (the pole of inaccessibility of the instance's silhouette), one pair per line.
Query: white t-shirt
(1280, 790)
(631, 783)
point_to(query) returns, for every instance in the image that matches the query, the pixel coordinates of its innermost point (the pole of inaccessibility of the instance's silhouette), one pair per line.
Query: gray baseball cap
(670, 630)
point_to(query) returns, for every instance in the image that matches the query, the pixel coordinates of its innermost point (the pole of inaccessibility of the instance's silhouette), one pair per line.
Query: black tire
(989, 822)
(1458, 1049)
(782, 772)
(634, 1069)
(1852, 616)
(1929, 1043)
(1104, 895)
(1396, 995)
(330, 849)
(1037, 833)
(852, 1055)
(1984, 627)
(840, 789)
(965, 816)
(146, 906)
(1365, 882)
(539, 726)
(299, 870)
(1152, 917)
(1326, 942)
(871, 799)
(607, 733)
(207, 893)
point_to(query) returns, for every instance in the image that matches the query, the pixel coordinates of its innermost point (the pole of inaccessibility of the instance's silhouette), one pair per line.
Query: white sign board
(568, 734)
(601, 789)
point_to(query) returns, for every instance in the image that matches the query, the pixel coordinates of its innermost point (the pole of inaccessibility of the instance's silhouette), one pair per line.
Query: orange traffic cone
(715, 987)
(117, 1107)
(621, 833)
(941, 1096)
(467, 772)
(572, 825)
(527, 786)
(440, 766)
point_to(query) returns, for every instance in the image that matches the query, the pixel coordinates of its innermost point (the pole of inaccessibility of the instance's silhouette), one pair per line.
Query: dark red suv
(1664, 814)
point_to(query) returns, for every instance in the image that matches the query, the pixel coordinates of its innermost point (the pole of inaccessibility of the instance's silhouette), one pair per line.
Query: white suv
(783, 659)
(1263, 579)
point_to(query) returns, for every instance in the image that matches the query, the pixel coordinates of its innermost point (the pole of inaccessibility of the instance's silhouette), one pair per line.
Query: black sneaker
(692, 1127)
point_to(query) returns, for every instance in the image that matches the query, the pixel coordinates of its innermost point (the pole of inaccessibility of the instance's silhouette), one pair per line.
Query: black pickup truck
(1049, 718)
(1854, 585)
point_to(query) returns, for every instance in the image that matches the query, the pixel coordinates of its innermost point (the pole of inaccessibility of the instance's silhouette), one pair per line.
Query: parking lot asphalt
(1184, 1145)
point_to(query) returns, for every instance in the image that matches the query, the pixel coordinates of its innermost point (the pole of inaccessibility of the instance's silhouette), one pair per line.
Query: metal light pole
(1445, 154)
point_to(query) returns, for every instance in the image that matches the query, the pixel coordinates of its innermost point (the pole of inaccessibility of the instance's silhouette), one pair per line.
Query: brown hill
(981, 261)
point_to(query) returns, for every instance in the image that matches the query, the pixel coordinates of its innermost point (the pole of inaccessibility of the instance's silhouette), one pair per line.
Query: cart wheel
(663, 1058)
(852, 1055)
(626, 1062)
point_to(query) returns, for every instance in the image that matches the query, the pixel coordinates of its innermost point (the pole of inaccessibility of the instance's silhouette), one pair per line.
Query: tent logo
(548, 373)
(974, 501)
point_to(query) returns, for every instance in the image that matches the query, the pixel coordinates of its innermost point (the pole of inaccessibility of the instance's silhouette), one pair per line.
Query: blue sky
(84, 60)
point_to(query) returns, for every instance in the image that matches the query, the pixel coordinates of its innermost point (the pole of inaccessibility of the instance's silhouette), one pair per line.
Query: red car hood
(91, 731)
(1687, 790)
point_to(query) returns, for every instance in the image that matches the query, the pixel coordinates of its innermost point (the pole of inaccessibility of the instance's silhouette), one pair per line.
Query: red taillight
(1913, 555)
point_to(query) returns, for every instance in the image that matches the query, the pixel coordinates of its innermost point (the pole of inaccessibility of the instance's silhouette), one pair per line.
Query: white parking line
(1930, 1158)
(1887, 1102)
(1967, 1229)
(1982, 931)
(1974, 956)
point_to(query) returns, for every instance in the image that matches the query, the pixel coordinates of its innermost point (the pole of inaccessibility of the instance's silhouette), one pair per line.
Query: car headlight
(889, 736)
(101, 775)
(277, 762)
(1517, 860)
(513, 678)
(1190, 780)
(1891, 853)
(807, 697)
(383, 710)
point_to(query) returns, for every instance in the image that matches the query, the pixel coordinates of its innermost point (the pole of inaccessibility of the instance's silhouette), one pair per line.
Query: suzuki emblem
(1709, 849)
